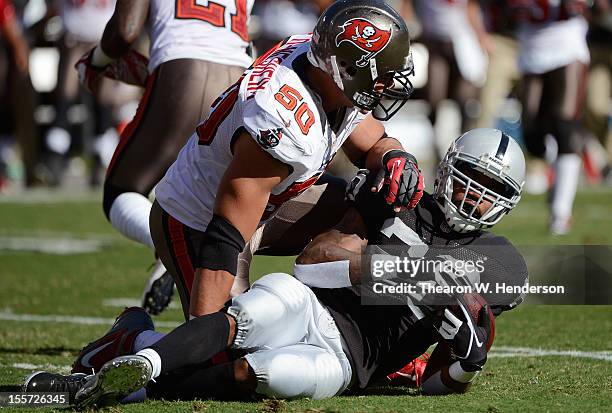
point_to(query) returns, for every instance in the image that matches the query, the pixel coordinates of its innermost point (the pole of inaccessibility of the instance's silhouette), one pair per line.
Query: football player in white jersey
(267, 140)
(554, 58)
(271, 136)
(197, 50)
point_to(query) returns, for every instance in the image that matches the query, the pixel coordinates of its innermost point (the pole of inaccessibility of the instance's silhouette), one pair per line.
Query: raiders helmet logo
(366, 36)
(269, 138)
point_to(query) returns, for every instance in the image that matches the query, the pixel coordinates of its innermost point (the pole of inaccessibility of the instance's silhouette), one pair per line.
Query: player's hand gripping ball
(469, 329)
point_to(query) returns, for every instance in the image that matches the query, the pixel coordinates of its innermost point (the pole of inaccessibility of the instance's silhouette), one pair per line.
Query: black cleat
(118, 341)
(158, 291)
(116, 380)
(43, 381)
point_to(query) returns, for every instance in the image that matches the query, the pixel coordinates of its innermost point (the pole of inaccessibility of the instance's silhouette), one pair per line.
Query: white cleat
(116, 379)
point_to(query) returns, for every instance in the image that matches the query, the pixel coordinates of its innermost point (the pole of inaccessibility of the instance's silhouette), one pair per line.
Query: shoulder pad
(277, 132)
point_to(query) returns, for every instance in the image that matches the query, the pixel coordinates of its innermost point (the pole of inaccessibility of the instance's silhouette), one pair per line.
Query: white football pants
(295, 346)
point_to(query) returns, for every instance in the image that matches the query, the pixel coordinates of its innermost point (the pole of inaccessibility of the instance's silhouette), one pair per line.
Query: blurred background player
(196, 52)
(16, 97)
(599, 89)
(279, 19)
(83, 23)
(554, 58)
(502, 71)
(457, 42)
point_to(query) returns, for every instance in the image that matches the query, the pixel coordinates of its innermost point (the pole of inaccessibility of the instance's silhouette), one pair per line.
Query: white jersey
(274, 105)
(553, 44)
(199, 29)
(85, 19)
(447, 20)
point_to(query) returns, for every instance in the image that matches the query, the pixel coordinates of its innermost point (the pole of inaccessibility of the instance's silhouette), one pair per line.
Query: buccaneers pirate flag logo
(366, 36)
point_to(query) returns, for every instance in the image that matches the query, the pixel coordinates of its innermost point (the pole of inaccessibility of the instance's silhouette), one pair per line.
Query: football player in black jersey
(319, 341)
(478, 182)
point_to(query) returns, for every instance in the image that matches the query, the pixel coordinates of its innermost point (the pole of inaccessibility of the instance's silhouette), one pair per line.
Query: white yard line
(7, 315)
(51, 196)
(499, 352)
(56, 246)
(34, 367)
(121, 302)
(540, 352)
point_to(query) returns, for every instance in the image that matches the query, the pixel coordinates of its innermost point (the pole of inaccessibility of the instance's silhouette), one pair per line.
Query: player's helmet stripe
(503, 146)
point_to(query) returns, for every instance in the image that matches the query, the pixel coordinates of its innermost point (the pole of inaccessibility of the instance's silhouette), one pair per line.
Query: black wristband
(221, 244)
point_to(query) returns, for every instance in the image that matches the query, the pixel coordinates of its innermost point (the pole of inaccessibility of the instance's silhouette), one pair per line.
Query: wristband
(456, 372)
(333, 274)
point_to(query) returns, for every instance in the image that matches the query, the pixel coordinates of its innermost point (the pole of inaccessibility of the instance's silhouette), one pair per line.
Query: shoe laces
(71, 383)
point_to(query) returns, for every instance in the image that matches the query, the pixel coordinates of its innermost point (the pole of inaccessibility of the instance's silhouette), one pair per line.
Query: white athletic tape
(334, 274)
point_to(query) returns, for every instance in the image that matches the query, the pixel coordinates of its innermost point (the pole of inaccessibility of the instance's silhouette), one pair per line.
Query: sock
(193, 342)
(129, 214)
(137, 396)
(146, 339)
(153, 358)
(567, 173)
(199, 382)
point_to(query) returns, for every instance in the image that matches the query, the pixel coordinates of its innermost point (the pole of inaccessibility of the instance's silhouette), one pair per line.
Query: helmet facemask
(387, 101)
(461, 195)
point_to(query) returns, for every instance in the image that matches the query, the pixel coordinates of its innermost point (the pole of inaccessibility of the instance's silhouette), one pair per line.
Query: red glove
(411, 375)
(132, 68)
(89, 74)
(400, 179)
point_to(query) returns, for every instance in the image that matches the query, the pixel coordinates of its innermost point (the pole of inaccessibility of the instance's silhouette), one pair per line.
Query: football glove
(400, 179)
(131, 68)
(89, 74)
(466, 337)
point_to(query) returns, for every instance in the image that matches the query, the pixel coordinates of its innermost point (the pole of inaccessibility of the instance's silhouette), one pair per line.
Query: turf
(72, 284)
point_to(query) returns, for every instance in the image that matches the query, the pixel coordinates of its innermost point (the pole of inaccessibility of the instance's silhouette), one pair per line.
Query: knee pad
(297, 371)
(272, 314)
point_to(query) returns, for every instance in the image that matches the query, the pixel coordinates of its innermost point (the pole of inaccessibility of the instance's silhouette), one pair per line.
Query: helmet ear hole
(351, 71)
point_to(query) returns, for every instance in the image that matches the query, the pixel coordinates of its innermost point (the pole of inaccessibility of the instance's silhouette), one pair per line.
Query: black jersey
(382, 339)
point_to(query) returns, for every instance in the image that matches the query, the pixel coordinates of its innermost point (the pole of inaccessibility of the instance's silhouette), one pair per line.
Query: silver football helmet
(490, 165)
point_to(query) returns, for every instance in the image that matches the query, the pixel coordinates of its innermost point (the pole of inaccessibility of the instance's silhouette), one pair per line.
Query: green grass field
(545, 358)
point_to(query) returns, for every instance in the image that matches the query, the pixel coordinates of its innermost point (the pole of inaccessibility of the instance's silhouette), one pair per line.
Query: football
(474, 303)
